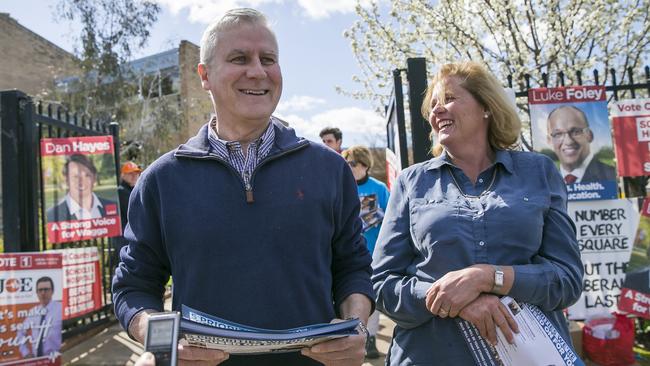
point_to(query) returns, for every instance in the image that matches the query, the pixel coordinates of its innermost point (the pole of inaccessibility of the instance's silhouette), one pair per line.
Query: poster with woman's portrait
(571, 126)
(79, 180)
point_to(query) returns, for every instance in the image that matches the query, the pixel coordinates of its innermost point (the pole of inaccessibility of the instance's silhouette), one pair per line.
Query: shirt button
(480, 180)
(526, 199)
(481, 243)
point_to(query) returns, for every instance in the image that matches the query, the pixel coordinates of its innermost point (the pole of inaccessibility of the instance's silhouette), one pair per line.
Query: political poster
(82, 281)
(605, 232)
(30, 308)
(571, 126)
(635, 295)
(631, 123)
(80, 187)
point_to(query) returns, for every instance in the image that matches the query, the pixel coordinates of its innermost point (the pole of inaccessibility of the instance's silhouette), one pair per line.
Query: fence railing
(23, 124)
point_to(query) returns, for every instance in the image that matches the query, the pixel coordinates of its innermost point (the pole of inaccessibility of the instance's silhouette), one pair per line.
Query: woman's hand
(487, 313)
(455, 290)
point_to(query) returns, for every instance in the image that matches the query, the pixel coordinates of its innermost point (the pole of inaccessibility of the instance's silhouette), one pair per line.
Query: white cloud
(202, 11)
(359, 126)
(318, 9)
(299, 103)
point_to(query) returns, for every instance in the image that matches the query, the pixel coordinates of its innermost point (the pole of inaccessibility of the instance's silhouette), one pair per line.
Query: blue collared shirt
(515, 215)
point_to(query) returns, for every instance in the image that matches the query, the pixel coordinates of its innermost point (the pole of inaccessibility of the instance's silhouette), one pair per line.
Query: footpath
(112, 346)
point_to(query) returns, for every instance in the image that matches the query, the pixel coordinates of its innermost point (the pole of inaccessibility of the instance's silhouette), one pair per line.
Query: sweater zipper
(248, 187)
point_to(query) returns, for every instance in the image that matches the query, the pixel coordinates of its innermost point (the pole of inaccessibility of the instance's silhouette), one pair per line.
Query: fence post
(401, 120)
(19, 173)
(416, 73)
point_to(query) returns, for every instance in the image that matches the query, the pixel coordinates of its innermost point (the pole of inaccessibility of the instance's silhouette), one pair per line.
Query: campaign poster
(30, 308)
(635, 295)
(631, 123)
(80, 186)
(571, 126)
(393, 168)
(82, 281)
(605, 231)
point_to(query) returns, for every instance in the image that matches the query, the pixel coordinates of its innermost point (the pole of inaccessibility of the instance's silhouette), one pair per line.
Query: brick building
(29, 62)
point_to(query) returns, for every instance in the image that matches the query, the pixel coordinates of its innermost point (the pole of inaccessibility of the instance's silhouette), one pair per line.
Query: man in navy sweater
(255, 225)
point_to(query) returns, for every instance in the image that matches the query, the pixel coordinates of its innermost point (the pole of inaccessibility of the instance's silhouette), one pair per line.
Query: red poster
(80, 186)
(82, 281)
(30, 308)
(631, 122)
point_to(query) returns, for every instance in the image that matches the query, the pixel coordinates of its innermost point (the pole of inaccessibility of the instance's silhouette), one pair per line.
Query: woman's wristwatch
(498, 279)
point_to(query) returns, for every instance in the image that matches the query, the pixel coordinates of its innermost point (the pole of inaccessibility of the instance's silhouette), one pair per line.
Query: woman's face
(358, 170)
(459, 119)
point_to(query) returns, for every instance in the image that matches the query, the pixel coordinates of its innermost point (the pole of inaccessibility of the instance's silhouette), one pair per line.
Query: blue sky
(314, 55)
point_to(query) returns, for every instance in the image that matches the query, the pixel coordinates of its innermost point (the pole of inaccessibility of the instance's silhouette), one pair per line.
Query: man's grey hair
(233, 17)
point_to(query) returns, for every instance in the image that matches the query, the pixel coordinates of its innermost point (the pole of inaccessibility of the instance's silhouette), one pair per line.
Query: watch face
(498, 278)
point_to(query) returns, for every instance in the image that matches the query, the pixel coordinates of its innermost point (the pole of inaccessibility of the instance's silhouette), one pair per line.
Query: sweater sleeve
(554, 280)
(144, 268)
(350, 257)
(400, 293)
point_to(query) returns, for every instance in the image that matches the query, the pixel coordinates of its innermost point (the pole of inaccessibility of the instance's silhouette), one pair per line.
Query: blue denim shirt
(431, 228)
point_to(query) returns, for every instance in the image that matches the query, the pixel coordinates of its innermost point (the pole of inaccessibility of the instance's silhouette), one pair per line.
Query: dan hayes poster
(571, 126)
(631, 123)
(80, 188)
(635, 295)
(82, 281)
(605, 232)
(30, 308)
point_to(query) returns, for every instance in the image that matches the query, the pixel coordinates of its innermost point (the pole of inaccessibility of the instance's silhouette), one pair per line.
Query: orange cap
(130, 167)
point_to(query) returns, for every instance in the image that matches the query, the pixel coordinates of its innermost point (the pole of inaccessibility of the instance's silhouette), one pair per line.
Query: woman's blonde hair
(360, 154)
(504, 124)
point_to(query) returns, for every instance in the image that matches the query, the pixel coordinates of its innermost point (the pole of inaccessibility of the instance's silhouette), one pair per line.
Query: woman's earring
(486, 115)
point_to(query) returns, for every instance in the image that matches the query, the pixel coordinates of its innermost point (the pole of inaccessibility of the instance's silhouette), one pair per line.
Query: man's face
(80, 180)
(44, 292)
(244, 75)
(131, 178)
(570, 137)
(332, 142)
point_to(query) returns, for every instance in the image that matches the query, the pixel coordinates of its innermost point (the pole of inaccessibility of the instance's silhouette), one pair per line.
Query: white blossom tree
(514, 38)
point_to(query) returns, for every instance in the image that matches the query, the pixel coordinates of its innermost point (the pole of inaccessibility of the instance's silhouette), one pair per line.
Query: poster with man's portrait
(571, 126)
(30, 304)
(80, 184)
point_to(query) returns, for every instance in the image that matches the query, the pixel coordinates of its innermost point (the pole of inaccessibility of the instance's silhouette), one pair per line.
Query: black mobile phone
(162, 337)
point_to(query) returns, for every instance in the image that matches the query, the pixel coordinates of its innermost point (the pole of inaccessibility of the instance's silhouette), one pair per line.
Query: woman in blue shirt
(373, 195)
(478, 221)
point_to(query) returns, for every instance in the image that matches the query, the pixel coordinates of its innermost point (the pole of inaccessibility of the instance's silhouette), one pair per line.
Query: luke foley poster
(571, 125)
(80, 185)
(30, 308)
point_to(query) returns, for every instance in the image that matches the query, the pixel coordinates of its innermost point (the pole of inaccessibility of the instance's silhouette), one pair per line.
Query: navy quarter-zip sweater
(287, 259)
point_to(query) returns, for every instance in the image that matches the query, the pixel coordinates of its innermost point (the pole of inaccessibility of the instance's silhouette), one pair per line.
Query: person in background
(373, 196)
(40, 333)
(129, 174)
(571, 137)
(478, 221)
(254, 224)
(332, 137)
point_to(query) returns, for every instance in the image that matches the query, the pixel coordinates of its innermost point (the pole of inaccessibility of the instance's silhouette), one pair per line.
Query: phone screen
(161, 333)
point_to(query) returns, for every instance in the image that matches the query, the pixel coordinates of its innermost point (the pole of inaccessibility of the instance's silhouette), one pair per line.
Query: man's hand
(187, 355)
(487, 313)
(348, 351)
(195, 356)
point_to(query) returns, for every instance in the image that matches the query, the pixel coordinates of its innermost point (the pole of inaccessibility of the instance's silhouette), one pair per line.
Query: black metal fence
(419, 145)
(23, 123)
